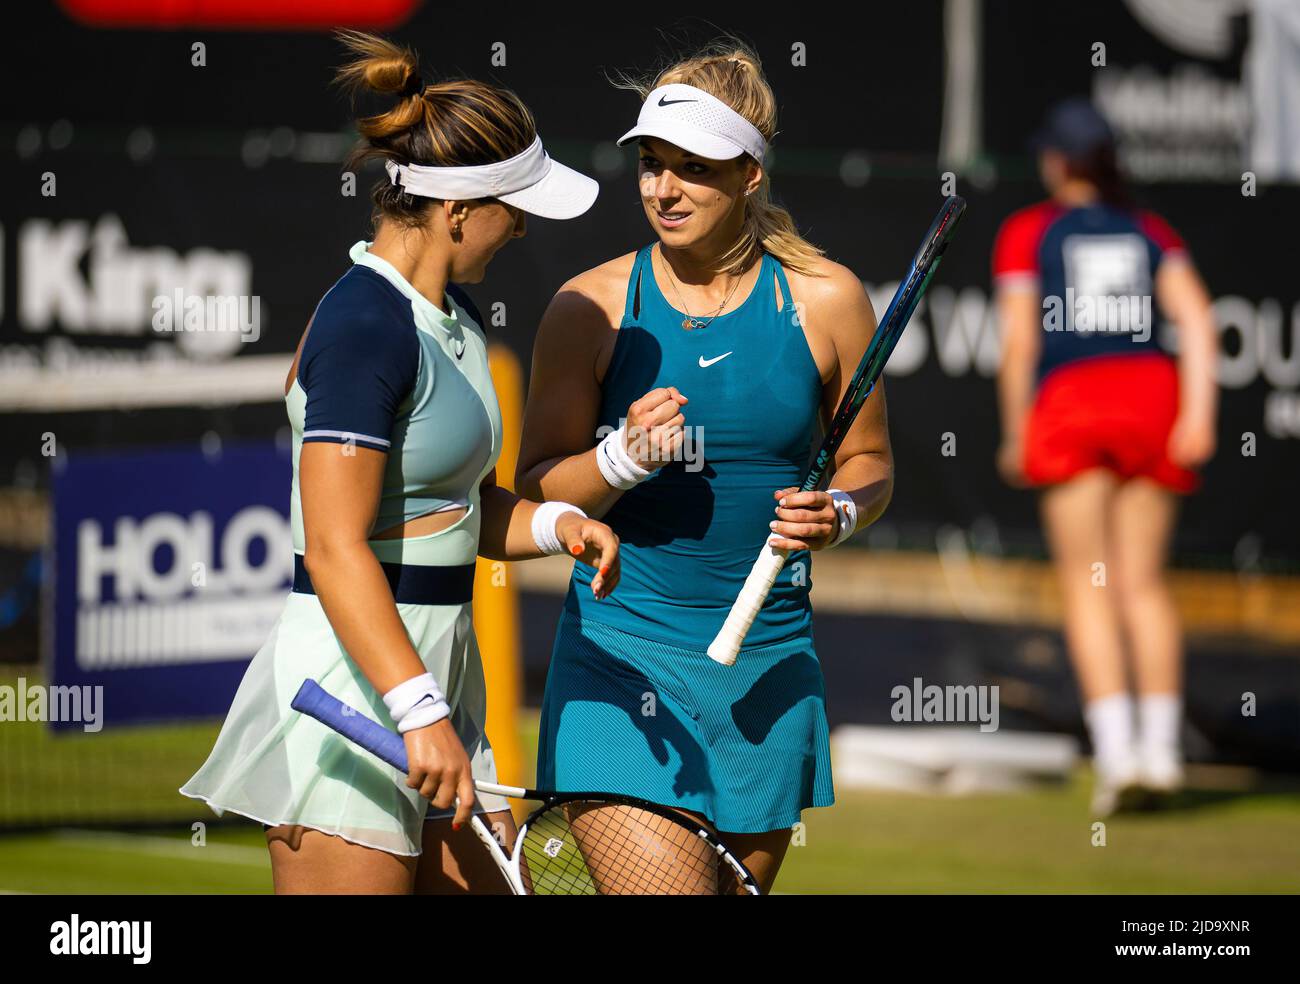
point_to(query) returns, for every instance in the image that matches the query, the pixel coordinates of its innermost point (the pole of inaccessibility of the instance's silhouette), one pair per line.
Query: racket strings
(603, 849)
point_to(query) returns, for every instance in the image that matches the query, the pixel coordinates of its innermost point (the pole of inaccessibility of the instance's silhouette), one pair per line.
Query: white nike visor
(697, 122)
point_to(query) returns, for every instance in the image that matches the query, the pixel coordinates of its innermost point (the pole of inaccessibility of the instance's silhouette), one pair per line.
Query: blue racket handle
(351, 723)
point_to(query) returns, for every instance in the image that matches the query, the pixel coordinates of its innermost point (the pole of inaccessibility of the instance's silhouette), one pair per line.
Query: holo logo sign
(172, 588)
(171, 568)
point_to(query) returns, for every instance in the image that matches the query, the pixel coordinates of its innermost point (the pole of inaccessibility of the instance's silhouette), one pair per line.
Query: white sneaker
(1116, 787)
(1161, 771)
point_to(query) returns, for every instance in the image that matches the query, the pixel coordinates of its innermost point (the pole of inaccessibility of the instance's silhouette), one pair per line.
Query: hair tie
(414, 86)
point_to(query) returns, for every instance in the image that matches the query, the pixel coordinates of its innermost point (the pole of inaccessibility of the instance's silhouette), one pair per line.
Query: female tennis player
(396, 434)
(675, 391)
(1111, 428)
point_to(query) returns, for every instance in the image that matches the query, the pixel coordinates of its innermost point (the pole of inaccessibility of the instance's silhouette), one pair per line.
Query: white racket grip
(731, 636)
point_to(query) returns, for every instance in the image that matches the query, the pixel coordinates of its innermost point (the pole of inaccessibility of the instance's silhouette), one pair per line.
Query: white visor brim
(697, 122)
(530, 180)
(562, 193)
(699, 142)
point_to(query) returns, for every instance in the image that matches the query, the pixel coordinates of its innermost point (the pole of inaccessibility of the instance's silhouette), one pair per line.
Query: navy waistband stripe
(411, 584)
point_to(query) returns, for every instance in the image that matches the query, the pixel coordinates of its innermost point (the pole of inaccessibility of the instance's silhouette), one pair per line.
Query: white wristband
(417, 703)
(545, 517)
(847, 511)
(615, 464)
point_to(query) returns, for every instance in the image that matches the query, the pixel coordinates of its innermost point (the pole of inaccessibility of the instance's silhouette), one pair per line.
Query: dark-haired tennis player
(396, 435)
(1111, 428)
(676, 391)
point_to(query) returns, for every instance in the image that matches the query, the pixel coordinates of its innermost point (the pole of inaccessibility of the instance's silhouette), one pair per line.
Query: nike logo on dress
(665, 101)
(705, 363)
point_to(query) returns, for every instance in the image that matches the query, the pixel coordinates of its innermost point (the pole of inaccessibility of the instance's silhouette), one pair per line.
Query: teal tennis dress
(381, 368)
(633, 703)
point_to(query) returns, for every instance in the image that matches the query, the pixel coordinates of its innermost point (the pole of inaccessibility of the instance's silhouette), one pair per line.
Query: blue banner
(170, 569)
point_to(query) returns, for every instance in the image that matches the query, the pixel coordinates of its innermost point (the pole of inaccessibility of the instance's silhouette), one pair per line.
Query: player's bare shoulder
(825, 284)
(833, 307)
(595, 297)
(585, 313)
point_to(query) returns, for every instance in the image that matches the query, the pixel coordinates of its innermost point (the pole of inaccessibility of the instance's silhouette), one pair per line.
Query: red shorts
(1113, 411)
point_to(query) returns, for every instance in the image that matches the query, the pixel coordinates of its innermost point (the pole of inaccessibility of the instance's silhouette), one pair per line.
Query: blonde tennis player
(396, 434)
(676, 391)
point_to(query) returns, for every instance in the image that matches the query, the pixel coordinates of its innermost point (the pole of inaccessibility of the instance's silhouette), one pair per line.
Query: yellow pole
(496, 604)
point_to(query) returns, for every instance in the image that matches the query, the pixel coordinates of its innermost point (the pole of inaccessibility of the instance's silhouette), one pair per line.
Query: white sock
(1110, 726)
(1160, 718)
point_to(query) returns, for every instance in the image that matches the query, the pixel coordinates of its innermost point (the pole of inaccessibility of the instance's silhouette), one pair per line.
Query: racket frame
(511, 864)
(389, 747)
(725, 646)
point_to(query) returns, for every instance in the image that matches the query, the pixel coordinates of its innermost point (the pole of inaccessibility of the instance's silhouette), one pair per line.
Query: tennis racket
(573, 843)
(726, 645)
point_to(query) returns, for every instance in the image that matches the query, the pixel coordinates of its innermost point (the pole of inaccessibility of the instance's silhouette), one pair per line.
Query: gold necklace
(688, 322)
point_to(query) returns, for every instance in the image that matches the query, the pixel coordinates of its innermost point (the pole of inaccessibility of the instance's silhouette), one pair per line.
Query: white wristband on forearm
(616, 465)
(417, 703)
(545, 517)
(847, 511)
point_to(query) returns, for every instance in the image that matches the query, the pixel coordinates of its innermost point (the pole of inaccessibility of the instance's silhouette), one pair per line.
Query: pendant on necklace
(691, 323)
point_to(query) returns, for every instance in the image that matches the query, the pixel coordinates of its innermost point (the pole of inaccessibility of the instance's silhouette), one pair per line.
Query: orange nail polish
(456, 826)
(577, 550)
(604, 570)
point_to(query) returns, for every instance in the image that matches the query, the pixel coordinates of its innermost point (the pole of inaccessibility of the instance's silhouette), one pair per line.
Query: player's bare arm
(839, 322)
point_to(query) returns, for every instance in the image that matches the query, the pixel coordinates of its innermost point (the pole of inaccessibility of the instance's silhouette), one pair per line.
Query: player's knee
(1139, 590)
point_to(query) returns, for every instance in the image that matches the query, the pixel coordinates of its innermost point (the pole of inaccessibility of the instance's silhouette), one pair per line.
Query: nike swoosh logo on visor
(665, 101)
(705, 363)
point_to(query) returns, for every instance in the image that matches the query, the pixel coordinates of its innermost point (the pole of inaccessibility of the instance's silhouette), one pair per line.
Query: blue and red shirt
(1094, 267)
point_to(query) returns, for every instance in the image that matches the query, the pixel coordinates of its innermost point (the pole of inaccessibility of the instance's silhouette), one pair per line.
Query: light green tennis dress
(381, 368)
